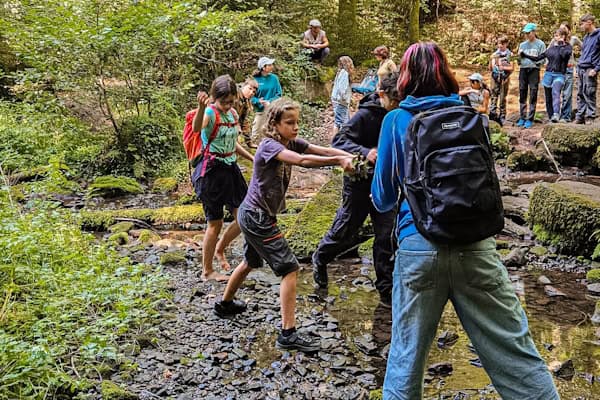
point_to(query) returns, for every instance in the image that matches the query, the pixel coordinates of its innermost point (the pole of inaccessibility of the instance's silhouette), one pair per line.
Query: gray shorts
(264, 241)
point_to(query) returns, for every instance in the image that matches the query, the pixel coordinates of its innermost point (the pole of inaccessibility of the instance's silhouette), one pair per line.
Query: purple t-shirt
(271, 177)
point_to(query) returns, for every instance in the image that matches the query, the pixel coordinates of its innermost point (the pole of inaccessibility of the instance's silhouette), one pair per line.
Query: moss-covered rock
(112, 391)
(539, 251)
(566, 214)
(147, 236)
(376, 394)
(529, 160)
(101, 220)
(164, 185)
(110, 186)
(593, 275)
(573, 145)
(123, 226)
(120, 238)
(315, 219)
(172, 257)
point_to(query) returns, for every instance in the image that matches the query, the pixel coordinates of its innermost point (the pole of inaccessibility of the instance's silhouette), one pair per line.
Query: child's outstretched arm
(243, 152)
(312, 160)
(326, 151)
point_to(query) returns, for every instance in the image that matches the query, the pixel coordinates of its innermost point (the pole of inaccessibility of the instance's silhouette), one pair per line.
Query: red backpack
(192, 141)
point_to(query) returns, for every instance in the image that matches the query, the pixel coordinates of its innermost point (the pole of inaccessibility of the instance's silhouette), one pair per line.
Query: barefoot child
(217, 179)
(257, 215)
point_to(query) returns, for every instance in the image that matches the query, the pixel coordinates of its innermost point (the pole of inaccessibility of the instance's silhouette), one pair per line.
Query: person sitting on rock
(257, 216)
(477, 95)
(315, 41)
(360, 136)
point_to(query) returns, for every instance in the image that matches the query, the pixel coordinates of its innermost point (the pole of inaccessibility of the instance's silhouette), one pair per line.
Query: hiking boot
(527, 124)
(320, 275)
(555, 118)
(520, 122)
(297, 342)
(228, 310)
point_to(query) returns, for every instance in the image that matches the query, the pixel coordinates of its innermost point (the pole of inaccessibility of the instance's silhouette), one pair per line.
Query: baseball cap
(476, 77)
(263, 61)
(529, 27)
(315, 22)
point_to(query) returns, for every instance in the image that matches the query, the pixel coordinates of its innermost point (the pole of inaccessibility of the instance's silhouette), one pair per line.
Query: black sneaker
(228, 310)
(297, 342)
(320, 275)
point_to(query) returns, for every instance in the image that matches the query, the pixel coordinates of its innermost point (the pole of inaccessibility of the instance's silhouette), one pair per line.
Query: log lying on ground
(566, 214)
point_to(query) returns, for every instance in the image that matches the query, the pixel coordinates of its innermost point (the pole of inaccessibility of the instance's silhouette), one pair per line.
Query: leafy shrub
(68, 304)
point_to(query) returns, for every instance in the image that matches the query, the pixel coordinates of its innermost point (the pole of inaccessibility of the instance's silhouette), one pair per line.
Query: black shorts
(222, 186)
(264, 241)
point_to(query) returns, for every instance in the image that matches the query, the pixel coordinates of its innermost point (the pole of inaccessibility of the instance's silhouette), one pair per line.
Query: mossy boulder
(101, 220)
(593, 275)
(539, 251)
(572, 145)
(112, 391)
(164, 185)
(123, 226)
(566, 214)
(529, 160)
(315, 219)
(120, 238)
(147, 236)
(111, 186)
(173, 257)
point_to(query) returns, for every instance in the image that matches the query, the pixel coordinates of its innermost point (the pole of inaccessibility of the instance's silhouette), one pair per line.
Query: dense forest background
(99, 87)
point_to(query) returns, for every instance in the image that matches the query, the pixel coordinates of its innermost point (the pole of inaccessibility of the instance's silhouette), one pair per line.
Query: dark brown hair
(382, 51)
(502, 39)
(222, 87)
(389, 86)
(424, 71)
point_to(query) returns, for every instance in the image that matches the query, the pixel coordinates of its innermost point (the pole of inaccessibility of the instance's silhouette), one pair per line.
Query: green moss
(503, 252)
(315, 219)
(173, 257)
(119, 238)
(101, 220)
(147, 236)
(285, 221)
(376, 394)
(528, 161)
(566, 215)
(538, 251)
(112, 391)
(366, 248)
(124, 226)
(593, 275)
(186, 199)
(502, 244)
(109, 186)
(499, 139)
(572, 144)
(164, 185)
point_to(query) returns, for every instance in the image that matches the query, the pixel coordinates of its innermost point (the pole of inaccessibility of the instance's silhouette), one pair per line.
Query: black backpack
(450, 180)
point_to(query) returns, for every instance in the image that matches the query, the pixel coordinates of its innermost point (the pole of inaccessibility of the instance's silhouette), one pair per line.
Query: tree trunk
(346, 24)
(413, 24)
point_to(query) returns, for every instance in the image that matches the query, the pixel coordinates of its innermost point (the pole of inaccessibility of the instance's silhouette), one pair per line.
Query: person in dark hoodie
(360, 136)
(587, 71)
(427, 275)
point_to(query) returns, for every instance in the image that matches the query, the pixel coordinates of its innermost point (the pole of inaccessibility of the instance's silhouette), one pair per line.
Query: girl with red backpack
(217, 179)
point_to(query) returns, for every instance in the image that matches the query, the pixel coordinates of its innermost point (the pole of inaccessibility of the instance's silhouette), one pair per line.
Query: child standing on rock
(257, 215)
(217, 179)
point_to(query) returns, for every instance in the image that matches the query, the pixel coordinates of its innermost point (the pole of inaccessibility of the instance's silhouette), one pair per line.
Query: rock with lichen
(572, 145)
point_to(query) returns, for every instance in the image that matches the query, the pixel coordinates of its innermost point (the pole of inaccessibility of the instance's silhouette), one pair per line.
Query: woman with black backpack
(463, 269)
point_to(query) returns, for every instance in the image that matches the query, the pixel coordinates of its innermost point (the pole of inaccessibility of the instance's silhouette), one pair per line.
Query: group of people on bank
(418, 282)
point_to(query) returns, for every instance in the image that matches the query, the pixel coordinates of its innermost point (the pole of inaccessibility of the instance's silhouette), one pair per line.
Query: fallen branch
(551, 158)
(137, 222)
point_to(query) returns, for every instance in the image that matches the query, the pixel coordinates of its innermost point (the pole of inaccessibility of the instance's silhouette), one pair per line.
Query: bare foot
(215, 276)
(225, 266)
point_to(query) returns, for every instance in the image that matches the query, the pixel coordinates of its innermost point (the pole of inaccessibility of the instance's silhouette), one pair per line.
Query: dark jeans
(319, 55)
(567, 95)
(529, 79)
(498, 94)
(343, 234)
(586, 94)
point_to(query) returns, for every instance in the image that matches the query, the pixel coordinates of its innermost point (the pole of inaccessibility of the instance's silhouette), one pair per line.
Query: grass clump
(67, 304)
(593, 275)
(164, 185)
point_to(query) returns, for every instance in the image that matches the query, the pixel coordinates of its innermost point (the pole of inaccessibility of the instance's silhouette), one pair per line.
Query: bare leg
(235, 280)
(287, 293)
(230, 233)
(208, 251)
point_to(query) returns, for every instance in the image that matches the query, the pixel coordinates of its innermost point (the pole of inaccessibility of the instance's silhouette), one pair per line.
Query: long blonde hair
(345, 62)
(275, 113)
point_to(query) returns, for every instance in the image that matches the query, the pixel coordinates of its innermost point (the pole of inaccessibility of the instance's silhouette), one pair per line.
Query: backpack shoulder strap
(216, 126)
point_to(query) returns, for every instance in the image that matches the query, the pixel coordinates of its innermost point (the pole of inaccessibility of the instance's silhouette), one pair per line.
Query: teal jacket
(269, 89)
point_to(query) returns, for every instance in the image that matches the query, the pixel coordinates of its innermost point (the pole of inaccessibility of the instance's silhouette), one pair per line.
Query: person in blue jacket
(269, 90)
(587, 71)
(427, 275)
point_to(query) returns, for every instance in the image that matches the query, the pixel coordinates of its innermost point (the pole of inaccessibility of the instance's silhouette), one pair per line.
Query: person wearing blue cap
(529, 75)
(269, 90)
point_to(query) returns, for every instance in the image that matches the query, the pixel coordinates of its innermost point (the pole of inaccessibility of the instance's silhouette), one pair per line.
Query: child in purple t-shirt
(257, 215)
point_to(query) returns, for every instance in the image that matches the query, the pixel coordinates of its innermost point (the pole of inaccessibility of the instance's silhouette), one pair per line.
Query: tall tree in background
(413, 24)
(346, 24)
